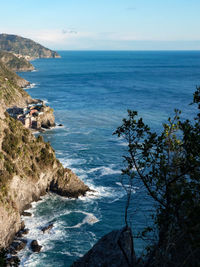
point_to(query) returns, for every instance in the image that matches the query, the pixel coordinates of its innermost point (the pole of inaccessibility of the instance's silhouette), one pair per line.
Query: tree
(168, 165)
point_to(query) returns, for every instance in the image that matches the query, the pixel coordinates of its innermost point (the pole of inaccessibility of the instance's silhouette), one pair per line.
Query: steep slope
(25, 47)
(15, 63)
(11, 92)
(28, 169)
(28, 166)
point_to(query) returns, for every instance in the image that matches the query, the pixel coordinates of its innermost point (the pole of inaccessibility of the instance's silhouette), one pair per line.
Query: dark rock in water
(46, 126)
(12, 251)
(35, 246)
(25, 231)
(47, 228)
(27, 207)
(25, 213)
(19, 234)
(60, 124)
(18, 245)
(113, 250)
(12, 261)
(22, 232)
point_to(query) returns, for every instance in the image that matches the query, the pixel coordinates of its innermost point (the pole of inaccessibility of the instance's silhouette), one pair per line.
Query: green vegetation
(168, 166)
(24, 46)
(22, 153)
(10, 87)
(14, 63)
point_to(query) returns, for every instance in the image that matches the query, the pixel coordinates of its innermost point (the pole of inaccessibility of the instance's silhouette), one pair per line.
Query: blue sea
(90, 92)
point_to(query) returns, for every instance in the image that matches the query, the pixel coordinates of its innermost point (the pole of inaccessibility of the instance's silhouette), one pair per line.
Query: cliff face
(46, 120)
(28, 169)
(28, 166)
(11, 92)
(15, 63)
(26, 47)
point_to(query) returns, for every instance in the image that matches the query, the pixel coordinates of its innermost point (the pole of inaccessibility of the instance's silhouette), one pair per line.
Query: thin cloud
(69, 32)
(131, 8)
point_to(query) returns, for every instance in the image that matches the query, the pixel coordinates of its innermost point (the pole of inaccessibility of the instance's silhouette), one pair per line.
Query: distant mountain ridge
(26, 47)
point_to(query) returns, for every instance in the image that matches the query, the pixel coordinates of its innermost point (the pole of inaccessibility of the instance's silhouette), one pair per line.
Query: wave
(98, 191)
(105, 170)
(60, 220)
(67, 163)
(89, 219)
(120, 143)
(45, 101)
(32, 85)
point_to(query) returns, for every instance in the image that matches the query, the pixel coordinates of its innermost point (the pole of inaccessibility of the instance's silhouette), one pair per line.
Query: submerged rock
(25, 231)
(22, 232)
(18, 245)
(115, 249)
(47, 228)
(12, 261)
(35, 246)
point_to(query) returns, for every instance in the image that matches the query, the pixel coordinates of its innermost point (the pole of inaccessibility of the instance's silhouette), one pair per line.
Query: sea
(90, 92)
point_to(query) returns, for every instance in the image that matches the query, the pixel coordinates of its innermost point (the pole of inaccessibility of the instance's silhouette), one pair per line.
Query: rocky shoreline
(28, 168)
(70, 187)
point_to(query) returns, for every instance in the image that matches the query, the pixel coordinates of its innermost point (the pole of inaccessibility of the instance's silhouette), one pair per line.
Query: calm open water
(90, 93)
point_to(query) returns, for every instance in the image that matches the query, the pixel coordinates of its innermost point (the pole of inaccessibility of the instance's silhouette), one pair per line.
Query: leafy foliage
(168, 165)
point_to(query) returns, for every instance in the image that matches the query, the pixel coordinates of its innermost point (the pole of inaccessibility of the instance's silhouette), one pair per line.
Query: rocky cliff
(25, 47)
(15, 63)
(115, 249)
(28, 169)
(28, 166)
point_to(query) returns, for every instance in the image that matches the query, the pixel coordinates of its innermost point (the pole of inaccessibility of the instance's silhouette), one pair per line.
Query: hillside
(15, 63)
(11, 92)
(25, 47)
(28, 165)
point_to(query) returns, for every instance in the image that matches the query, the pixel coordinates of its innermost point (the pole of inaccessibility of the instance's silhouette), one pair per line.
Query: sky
(105, 24)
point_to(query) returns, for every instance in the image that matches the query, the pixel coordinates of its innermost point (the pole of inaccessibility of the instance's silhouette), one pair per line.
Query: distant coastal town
(31, 115)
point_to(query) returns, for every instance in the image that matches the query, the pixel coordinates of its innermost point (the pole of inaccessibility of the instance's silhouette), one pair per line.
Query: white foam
(123, 144)
(45, 101)
(69, 162)
(35, 223)
(105, 170)
(89, 219)
(32, 85)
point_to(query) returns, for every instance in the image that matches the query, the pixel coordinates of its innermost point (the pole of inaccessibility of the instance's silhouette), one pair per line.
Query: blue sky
(105, 24)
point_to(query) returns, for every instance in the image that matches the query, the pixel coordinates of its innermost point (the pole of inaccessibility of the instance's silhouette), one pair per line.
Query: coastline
(54, 178)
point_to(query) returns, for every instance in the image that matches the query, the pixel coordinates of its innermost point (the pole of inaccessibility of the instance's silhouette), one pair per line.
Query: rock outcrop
(46, 120)
(35, 246)
(113, 250)
(69, 186)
